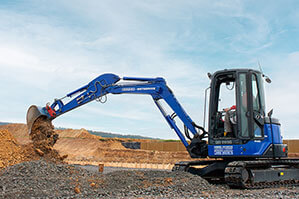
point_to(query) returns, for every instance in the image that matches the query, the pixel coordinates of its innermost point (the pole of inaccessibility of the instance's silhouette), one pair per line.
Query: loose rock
(42, 179)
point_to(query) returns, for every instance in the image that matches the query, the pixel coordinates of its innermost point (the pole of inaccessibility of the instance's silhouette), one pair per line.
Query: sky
(50, 48)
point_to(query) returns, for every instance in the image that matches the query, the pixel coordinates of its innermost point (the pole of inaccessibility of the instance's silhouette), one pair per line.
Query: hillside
(103, 134)
(115, 135)
(79, 145)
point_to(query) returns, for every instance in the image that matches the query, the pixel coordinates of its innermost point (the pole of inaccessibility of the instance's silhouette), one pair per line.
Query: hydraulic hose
(201, 136)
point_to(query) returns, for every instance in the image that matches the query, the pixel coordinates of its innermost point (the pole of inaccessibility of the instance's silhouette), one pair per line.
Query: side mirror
(268, 80)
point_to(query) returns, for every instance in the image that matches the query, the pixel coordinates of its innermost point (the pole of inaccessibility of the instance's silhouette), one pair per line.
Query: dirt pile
(79, 144)
(10, 151)
(41, 146)
(72, 143)
(111, 144)
(77, 149)
(19, 131)
(111, 151)
(74, 133)
(87, 149)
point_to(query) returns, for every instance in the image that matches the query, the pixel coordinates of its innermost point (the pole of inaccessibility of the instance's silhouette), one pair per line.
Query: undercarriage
(247, 174)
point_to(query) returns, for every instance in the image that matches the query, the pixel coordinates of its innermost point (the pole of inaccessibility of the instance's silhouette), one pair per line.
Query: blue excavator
(242, 147)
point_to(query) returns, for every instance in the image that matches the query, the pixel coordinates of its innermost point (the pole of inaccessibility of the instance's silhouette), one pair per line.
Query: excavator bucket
(33, 113)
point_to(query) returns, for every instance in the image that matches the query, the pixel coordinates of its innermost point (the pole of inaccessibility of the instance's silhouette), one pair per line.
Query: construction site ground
(81, 147)
(54, 170)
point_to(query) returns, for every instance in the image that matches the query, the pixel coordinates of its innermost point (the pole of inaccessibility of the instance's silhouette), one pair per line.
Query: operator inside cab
(227, 108)
(230, 117)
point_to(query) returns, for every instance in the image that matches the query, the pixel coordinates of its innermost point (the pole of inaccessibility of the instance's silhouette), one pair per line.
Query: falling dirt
(43, 139)
(42, 133)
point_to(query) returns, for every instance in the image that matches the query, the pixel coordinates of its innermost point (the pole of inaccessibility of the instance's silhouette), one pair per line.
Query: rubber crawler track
(234, 170)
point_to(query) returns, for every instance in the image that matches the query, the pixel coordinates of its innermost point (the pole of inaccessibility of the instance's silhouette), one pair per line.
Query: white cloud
(283, 91)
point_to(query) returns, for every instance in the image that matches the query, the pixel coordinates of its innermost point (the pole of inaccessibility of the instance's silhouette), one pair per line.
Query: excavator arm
(98, 88)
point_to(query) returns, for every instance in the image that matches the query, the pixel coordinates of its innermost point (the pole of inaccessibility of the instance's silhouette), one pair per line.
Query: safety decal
(223, 150)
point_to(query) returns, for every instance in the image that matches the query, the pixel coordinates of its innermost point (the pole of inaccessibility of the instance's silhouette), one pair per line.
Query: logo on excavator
(128, 89)
(139, 89)
(146, 89)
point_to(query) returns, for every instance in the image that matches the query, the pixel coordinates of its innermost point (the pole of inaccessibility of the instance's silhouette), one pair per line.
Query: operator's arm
(231, 108)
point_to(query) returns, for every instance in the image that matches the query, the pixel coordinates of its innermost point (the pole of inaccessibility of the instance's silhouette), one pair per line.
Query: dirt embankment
(77, 145)
(81, 145)
(76, 133)
(41, 146)
(10, 151)
(19, 132)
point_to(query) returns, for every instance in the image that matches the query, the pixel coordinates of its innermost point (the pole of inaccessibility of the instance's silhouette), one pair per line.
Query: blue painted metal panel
(277, 138)
(106, 83)
(251, 148)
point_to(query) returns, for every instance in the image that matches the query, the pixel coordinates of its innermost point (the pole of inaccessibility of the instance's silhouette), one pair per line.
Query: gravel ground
(40, 179)
(95, 169)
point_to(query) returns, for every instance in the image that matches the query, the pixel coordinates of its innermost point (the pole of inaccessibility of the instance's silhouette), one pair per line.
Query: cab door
(257, 105)
(250, 103)
(242, 106)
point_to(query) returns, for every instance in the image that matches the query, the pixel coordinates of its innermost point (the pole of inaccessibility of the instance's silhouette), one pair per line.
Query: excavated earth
(34, 167)
(43, 139)
(79, 145)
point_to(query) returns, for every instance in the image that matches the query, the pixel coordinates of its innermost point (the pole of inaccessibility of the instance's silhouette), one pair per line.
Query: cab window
(243, 105)
(256, 105)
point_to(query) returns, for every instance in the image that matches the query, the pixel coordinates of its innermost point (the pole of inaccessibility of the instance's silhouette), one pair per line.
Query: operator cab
(238, 126)
(237, 106)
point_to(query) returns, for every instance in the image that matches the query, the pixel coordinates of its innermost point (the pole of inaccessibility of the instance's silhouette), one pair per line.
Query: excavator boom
(98, 88)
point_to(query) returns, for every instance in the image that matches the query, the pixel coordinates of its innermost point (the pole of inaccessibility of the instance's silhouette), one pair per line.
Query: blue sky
(49, 48)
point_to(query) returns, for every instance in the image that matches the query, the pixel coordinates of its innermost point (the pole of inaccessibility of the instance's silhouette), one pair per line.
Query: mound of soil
(76, 133)
(79, 144)
(10, 151)
(19, 131)
(43, 139)
(111, 144)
